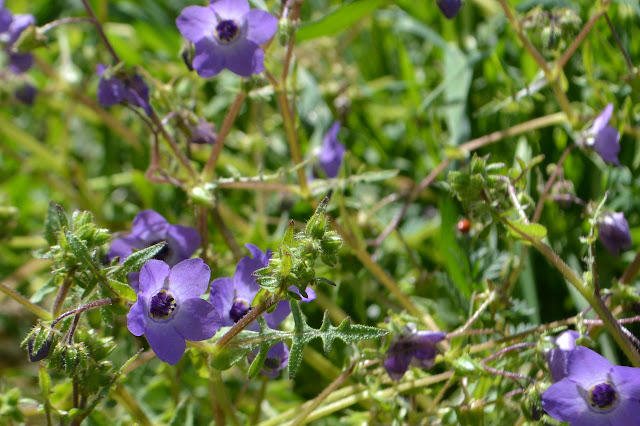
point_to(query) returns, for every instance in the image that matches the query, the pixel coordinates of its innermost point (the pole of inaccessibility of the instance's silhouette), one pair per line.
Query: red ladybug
(464, 226)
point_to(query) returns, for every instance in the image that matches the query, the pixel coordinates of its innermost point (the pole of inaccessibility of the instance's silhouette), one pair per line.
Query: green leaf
(123, 290)
(342, 18)
(534, 230)
(51, 224)
(134, 261)
(258, 361)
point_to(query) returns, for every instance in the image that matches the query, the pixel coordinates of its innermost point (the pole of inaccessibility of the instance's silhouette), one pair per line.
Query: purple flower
(122, 87)
(332, 151)
(449, 8)
(416, 348)
(594, 392)
(26, 94)
(605, 139)
(557, 357)
(277, 360)
(614, 233)
(149, 228)
(232, 297)
(169, 309)
(227, 34)
(18, 62)
(203, 132)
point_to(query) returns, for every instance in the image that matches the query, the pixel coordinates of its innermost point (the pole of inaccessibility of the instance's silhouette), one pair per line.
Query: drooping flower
(227, 34)
(26, 94)
(614, 233)
(605, 139)
(122, 87)
(150, 227)
(332, 151)
(18, 62)
(594, 392)
(557, 357)
(449, 8)
(203, 133)
(169, 309)
(232, 297)
(417, 348)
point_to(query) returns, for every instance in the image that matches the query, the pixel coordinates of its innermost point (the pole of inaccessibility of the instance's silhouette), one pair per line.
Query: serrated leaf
(136, 260)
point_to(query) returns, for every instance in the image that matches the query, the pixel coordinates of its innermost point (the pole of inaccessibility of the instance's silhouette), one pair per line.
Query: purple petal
(258, 254)
(398, 364)
(149, 225)
(5, 19)
(332, 152)
(230, 9)
(261, 26)
(197, 319)
(134, 281)
(111, 91)
(152, 276)
(607, 144)
(20, 62)
(614, 233)
(627, 382)
(449, 8)
(123, 247)
(602, 120)
(207, 61)
(281, 312)
(563, 401)
(244, 281)
(26, 94)
(18, 25)
(244, 58)
(165, 341)
(136, 318)
(277, 360)
(427, 337)
(221, 296)
(101, 68)
(557, 357)
(184, 240)
(586, 367)
(189, 278)
(196, 22)
(137, 93)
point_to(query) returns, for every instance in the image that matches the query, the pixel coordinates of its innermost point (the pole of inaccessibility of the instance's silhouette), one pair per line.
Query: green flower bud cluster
(294, 261)
(73, 239)
(478, 185)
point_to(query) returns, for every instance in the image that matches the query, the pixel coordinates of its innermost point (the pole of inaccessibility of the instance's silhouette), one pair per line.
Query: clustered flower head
(594, 392)
(557, 357)
(169, 309)
(11, 26)
(332, 152)
(417, 348)
(227, 34)
(449, 8)
(604, 138)
(150, 227)
(614, 233)
(120, 88)
(232, 298)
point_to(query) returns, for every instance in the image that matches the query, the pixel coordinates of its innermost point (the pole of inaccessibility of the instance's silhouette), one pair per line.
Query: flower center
(227, 30)
(238, 310)
(603, 396)
(162, 305)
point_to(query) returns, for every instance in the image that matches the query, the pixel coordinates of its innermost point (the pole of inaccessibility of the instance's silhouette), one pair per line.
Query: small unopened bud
(40, 344)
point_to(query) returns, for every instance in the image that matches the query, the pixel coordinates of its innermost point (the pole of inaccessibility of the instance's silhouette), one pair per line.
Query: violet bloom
(26, 94)
(120, 88)
(169, 309)
(149, 228)
(227, 34)
(418, 348)
(594, 392)
(232, 297)
(5, 18)
(614, 233)
(557, 357)
(605, 139)
(332, 152)
(18, 62)
(449, 8)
